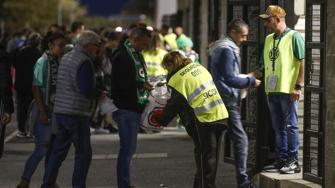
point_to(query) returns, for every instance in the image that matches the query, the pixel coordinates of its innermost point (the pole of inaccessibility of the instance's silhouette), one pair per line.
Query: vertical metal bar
(305, 160)
(321, 145)
(59, 13)
(2, 23)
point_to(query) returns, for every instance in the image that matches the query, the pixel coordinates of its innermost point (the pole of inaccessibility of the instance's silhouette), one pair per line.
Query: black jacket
(24, 61)
(5, 83)
(177, 105)
(123, 81)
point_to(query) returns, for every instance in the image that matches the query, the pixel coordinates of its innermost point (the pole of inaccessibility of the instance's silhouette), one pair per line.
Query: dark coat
(5, 83)
(123, 81)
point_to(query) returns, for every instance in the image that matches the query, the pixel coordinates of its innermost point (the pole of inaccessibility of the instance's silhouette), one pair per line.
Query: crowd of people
(62, 76)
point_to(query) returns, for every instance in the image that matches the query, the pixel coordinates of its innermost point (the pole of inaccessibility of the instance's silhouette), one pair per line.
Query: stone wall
(330, 100)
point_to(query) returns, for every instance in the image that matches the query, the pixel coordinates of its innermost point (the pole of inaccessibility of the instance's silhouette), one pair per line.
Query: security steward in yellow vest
(196, 100)
(153, 60)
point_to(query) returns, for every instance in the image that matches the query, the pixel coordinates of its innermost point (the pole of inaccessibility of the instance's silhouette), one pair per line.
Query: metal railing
(313, 158)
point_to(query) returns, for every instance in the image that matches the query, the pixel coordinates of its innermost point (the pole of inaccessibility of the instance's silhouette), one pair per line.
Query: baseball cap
(273, 10)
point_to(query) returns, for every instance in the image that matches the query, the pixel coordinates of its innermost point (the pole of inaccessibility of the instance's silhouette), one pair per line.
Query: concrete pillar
(224, 18)
(203, 33)
(330, 100)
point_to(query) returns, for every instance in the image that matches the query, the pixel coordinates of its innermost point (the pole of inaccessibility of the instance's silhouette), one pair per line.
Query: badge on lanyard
(272, 82)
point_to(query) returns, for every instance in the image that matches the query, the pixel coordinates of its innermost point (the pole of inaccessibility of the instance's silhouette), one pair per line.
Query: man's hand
(147, 87)
(295, 95)
(257, 83)
(5, 119)
(257, 74)
(44, 118)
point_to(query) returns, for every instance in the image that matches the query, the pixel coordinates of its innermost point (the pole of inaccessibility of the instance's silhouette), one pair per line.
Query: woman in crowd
(44, 88)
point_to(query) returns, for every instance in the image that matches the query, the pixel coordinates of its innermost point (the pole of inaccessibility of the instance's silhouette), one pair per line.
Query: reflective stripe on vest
(286, 64)
(195, 83)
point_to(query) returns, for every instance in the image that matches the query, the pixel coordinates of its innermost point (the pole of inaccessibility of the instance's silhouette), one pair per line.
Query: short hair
(34, 39)
(76, 25)
(165, 27)
(88, 37)
(236, 25)
(139, 32)
(50, 37)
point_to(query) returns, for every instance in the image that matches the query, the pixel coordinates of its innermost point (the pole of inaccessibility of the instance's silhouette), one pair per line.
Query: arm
(40, 104)
(295, 95)
(40, 70)
(226, 68)
(85, 78)
(299, 53)
(173, 107)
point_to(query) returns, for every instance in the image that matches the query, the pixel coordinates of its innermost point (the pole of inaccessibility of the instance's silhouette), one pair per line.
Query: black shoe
(274, 167)
(248, 185)
(290, 167)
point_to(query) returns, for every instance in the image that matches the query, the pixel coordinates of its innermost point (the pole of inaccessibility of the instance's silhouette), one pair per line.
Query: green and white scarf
(50, 90)
(141, 73)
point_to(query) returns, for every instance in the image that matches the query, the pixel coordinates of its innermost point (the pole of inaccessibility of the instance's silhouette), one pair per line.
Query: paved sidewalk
(162, 160)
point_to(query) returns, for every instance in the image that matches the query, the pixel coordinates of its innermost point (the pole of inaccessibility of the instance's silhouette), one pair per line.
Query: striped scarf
(50, 90)
(141, 73)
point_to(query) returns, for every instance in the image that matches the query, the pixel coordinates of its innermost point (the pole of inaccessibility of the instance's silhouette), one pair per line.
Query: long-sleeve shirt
(225, 68)
(5, 83)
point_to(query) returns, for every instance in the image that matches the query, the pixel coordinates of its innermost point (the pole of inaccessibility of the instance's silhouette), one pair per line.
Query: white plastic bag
(157, 100)
(107, 107)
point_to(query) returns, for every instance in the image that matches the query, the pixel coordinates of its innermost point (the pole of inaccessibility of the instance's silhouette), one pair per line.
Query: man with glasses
(75, 98)
(283, 58)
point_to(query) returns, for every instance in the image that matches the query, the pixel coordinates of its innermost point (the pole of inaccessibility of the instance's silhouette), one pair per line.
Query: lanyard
(275, 51)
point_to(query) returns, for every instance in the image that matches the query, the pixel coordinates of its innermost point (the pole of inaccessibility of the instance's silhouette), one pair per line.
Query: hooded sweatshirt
(225, 68)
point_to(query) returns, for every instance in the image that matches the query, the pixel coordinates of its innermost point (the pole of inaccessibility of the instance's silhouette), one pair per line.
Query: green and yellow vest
(195, 83)
(286, 66)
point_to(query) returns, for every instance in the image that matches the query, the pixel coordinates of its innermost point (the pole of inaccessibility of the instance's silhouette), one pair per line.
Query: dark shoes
(23, 184)
(290, 167)
(248, 185)
(275, 167)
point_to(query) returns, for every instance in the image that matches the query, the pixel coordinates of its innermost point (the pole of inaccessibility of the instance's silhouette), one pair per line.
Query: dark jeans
(23, 101)
(238, 137)
(128, 123)
(42, 133)
(76, 130)
(207, 142)
(285, 124)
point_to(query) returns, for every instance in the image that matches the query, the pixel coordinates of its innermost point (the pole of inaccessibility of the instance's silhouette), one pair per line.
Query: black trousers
(23, 101)
(207, 142)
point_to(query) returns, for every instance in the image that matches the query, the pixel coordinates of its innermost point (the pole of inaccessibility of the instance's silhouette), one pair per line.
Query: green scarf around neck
(141, 73)
(51, 80)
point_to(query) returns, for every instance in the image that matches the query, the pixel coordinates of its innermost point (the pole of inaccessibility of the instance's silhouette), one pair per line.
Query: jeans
(207, 142)
(23, 103)
(71, 129)
(42, 134)
(285, 124)
(128, 123)
(239, 138)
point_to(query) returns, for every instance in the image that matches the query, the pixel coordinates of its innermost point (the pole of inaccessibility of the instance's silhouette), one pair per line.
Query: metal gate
(253, 107)
(313, 158)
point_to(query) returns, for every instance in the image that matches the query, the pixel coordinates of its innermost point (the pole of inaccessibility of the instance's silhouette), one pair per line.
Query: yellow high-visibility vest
(154, 63)
(196, 84)
(171, 40)
(286, 65)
